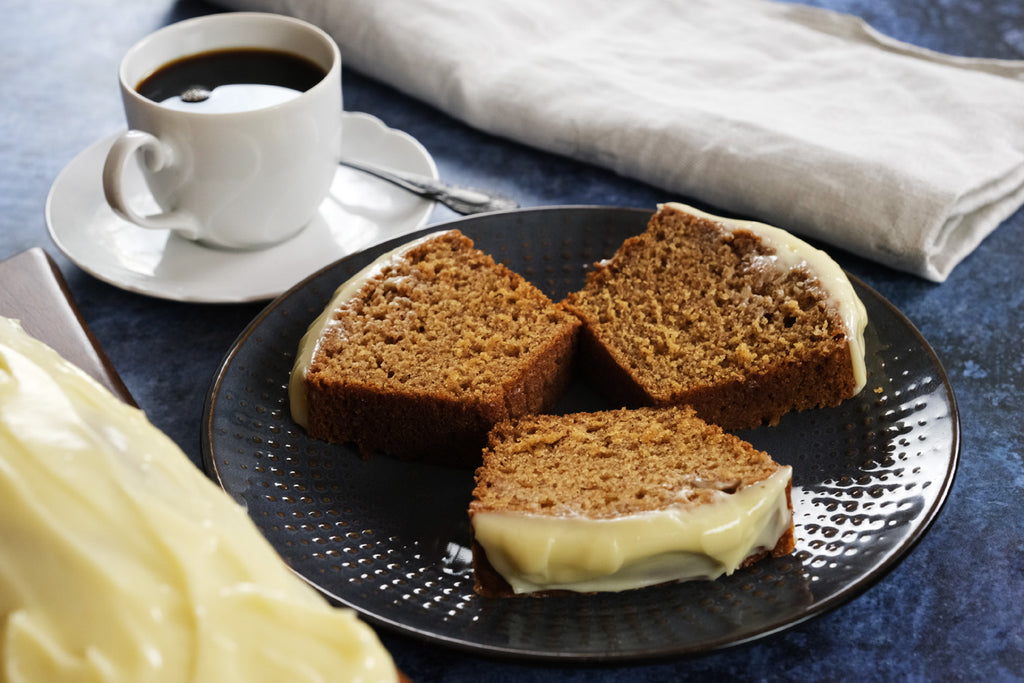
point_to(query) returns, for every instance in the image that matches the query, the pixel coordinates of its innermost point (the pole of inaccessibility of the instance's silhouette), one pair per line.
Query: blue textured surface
(952, 610)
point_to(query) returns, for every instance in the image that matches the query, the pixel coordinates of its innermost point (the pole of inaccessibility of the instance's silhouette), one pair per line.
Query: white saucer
(360, 211)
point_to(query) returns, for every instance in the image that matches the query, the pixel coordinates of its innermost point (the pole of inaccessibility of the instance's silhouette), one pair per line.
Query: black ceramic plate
(390, 538)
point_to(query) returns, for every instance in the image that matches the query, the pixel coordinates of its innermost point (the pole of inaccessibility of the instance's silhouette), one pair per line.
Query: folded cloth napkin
(793, 115)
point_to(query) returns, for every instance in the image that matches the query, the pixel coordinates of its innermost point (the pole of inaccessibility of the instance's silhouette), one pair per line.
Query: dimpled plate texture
(390, 538)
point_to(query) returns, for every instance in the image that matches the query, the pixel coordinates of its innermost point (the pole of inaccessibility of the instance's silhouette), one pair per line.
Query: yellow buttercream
(535, 552)
(121, 561)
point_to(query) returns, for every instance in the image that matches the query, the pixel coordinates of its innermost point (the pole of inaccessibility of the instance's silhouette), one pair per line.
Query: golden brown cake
(425, 350)
(619, 499)
(741, 320)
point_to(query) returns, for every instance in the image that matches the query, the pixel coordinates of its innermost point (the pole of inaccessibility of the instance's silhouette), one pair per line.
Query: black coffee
(237, 79)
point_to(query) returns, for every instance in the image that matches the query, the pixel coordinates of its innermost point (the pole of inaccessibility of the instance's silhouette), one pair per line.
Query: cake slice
(422, 352)
(619, 499)
(738, 319)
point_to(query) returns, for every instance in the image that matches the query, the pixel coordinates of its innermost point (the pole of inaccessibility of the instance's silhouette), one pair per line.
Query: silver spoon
(464, 200)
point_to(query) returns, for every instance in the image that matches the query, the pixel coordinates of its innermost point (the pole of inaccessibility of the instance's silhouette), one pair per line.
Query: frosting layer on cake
(121, 561)
(536, 552)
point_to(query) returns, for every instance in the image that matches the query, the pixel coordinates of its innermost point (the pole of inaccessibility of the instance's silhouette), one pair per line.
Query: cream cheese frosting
(121, 561)
(792, 252)
(535, 552)
(297, 397)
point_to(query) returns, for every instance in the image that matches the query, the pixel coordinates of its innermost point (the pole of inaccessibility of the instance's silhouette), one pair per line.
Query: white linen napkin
(792, 115)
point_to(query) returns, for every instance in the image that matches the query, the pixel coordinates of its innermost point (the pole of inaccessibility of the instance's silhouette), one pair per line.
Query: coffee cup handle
(157, 156)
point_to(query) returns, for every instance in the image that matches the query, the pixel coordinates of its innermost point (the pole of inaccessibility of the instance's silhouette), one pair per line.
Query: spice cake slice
(422, 352)
(619, 499)
(741, 320)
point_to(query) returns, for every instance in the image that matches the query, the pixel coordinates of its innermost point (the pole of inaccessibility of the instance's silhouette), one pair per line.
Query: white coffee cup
(239, 179)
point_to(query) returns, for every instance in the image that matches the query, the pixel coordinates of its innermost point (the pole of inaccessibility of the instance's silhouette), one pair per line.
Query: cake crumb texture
(690, 312)
(433, 350)
(610, 463)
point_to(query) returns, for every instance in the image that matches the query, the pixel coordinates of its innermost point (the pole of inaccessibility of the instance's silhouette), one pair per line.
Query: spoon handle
(463, 200)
